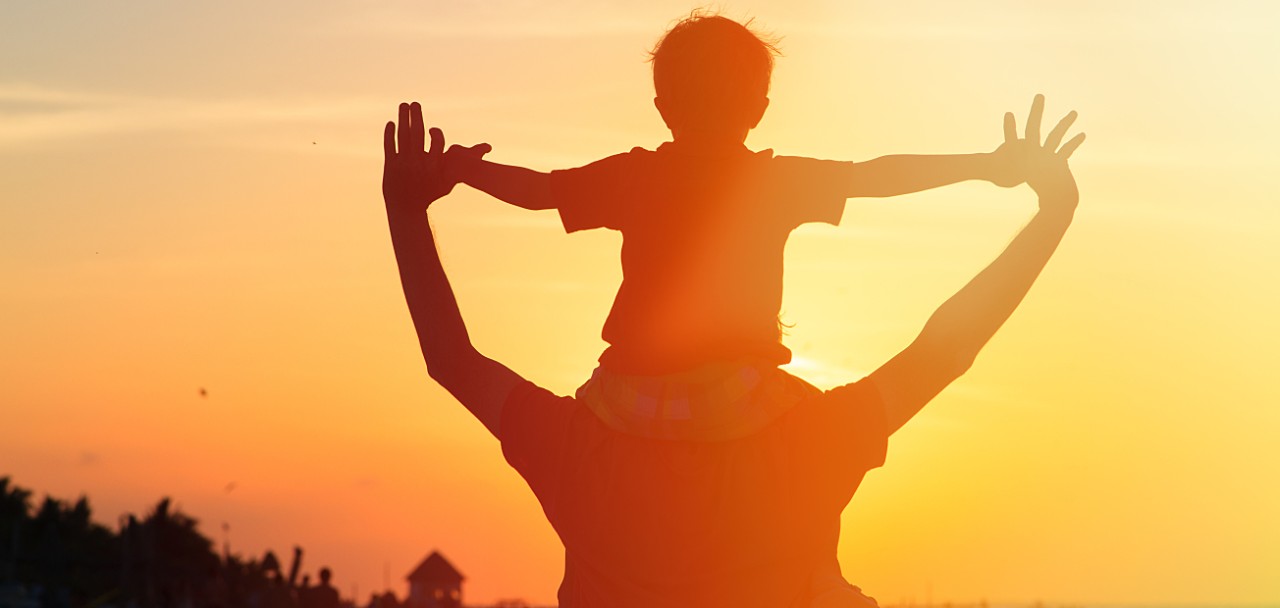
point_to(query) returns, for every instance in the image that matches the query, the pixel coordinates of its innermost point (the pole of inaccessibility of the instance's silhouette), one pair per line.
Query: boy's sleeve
(591, 196)
(811, 190)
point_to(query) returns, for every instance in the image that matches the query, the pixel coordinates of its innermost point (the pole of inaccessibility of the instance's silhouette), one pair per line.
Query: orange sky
(190, 200)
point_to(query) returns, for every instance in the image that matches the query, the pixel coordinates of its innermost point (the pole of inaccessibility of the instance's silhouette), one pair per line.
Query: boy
(694, 336)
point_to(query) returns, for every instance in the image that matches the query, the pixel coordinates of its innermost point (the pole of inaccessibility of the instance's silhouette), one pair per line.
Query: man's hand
(1046, 164)
(1027, 160)
(413, 178)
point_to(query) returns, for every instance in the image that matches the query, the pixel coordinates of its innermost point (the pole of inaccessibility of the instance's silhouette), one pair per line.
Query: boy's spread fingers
(1033, 119)
(1010, 128)
(1055, 136)
(389, 141)
(1071, 146)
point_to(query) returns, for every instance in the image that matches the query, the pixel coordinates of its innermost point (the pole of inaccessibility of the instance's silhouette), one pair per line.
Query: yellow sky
(188, 199)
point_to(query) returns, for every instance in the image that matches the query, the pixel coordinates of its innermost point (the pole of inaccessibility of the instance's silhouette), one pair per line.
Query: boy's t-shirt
(703, 237)
(645, 522)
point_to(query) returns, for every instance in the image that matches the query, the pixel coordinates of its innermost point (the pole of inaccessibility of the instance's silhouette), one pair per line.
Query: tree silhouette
(165, 557)
(15, 504)
(55, 556)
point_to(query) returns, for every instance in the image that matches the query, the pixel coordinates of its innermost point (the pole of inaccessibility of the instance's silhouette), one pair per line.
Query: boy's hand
(413, 178)
(1016, 159)
(1008, 162)
(459, 161)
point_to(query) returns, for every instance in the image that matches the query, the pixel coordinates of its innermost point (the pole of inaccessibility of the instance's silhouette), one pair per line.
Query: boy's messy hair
(712, 70)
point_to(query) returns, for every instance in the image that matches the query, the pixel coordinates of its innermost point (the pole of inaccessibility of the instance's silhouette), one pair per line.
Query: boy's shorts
(715, 402)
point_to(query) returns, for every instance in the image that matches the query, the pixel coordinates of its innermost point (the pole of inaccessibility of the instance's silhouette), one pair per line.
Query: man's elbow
(442, 372)
(946, 361)
(961, 361)
(448, 369)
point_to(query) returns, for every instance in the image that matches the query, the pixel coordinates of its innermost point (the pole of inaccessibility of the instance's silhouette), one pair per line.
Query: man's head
(711, 75)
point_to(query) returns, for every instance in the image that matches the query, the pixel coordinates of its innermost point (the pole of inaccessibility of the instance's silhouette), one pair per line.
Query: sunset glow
(190, 203)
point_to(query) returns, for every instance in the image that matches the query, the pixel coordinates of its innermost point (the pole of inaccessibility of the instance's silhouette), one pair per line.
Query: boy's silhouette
(751, 521)
(694, 335)
(753, 518)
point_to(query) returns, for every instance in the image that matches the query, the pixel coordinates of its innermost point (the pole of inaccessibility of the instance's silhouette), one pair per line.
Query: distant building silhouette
(435, 583)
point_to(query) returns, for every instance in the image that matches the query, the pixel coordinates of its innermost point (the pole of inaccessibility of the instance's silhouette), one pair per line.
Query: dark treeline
(56, 556)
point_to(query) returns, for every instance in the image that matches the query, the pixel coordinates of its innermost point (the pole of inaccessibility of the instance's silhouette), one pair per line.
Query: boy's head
(711, 75)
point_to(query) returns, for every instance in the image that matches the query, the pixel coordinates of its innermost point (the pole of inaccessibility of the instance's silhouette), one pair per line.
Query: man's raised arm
(412, 179)
(951, 339)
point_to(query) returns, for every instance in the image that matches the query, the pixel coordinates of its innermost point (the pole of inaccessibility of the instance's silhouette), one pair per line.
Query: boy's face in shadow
(686, 122)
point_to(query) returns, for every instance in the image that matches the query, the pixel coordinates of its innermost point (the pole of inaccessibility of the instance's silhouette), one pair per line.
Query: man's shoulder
(528, 403)
(532, 416)
(848, 420)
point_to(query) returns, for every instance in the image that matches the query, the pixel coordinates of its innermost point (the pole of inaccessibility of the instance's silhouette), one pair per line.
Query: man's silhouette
(751, 521)
(323, 595)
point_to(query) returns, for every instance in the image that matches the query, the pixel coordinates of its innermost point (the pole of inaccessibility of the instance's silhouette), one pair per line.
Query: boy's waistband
(713, 402)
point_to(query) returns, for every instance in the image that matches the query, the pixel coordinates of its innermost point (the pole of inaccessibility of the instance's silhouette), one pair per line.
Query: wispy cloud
(489, 21)
(34, 114)
(481, 31)
(536, 285)
(1131, 22)
(31, 115)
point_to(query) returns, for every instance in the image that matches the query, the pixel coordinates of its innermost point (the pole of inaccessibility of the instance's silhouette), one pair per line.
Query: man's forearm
(957, 331)
(968, 320)
(479, 383)
(515, 185)
(436, 318)
(906, 173)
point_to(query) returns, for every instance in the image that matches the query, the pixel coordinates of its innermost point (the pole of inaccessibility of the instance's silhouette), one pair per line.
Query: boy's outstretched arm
(515, 185)
(411, 180)
(951, 339)
(906, 173)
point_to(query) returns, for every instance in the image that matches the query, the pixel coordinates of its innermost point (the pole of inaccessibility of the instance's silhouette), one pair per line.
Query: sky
(189, 201)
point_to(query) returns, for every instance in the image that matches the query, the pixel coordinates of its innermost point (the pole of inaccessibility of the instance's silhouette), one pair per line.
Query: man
(746, 522)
